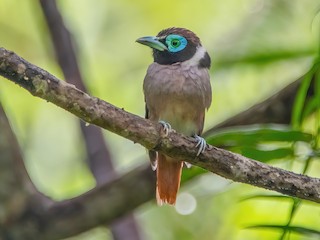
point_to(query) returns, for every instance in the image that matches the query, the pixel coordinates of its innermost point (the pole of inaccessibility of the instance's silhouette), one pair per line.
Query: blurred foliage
(257, 47)
(262, 143)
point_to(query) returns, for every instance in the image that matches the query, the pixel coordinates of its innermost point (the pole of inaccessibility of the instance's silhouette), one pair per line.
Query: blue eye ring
(176, 43)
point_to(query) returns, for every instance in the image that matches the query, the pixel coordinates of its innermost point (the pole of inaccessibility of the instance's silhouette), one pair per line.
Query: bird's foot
(166, 127)
(201, 144)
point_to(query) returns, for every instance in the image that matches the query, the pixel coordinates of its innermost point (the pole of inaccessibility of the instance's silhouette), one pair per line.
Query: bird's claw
(201, 144)
(166, 127)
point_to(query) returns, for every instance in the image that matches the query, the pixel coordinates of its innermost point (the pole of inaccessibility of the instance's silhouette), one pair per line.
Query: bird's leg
(201, 144)
(166, 127)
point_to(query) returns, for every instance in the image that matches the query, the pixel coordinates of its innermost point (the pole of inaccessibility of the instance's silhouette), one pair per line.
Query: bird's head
(174, 45)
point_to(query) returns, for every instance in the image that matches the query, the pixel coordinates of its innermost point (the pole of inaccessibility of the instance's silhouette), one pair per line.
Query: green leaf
(301, 96)
(251, 135)
(275, 197)
(295, 229)
(267, 197)
(311, 106)
(266, 155)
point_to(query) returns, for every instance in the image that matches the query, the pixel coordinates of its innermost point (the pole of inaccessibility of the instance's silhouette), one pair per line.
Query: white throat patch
(194, 61)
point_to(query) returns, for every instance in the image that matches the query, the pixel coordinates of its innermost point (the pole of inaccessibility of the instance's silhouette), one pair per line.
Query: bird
(177, 93)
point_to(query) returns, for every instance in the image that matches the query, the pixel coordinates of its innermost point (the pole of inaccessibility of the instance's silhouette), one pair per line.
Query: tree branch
(15, 184)
(47, 220)
(98, 154)
(139, 130)
(275, 109)
(99, 158)
(116, 199)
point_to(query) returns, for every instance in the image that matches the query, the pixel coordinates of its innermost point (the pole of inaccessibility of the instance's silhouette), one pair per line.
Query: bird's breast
(176, 95)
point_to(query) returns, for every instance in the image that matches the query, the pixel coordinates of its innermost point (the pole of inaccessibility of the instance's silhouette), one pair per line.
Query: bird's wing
(202, 81)
(207, 91)
(152, 154)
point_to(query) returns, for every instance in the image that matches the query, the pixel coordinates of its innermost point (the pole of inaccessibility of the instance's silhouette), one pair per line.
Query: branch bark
(95, 111)
(139, 130)
(16, 187)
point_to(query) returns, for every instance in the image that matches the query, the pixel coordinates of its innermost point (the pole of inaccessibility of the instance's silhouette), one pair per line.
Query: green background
(257, 47)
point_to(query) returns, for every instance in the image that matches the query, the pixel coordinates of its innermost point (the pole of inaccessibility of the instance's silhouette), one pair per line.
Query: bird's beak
(152, 42)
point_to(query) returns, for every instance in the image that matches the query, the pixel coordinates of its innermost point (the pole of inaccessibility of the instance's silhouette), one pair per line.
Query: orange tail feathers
(168, 179)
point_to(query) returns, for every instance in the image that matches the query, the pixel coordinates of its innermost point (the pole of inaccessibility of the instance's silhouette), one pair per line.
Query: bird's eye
(176, 43)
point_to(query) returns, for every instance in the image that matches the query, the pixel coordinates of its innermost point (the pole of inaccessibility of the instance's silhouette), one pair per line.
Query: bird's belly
(181, 114)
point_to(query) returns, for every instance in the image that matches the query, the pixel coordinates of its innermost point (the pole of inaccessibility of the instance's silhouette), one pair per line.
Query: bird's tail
(168, 179)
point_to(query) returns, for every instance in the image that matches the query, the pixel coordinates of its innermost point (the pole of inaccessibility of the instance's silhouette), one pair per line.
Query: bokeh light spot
(186, 204)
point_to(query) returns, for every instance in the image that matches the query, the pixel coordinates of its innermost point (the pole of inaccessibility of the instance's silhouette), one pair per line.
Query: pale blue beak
(152, 42)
